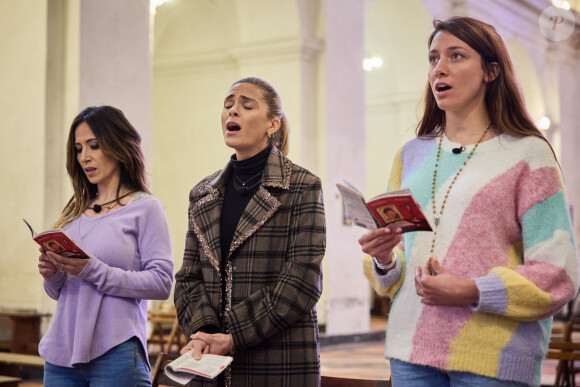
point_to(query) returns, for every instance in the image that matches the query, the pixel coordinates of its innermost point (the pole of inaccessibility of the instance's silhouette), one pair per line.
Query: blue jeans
(405, 374)
(122, 366)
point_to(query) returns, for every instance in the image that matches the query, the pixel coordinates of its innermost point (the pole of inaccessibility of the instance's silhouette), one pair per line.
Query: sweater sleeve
(547, 276)
(396, 172)
(53, 284)
(390, 283)
(154, 280)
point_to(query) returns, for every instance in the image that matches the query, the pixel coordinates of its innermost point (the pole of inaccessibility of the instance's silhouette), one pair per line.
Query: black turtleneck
(236, 197)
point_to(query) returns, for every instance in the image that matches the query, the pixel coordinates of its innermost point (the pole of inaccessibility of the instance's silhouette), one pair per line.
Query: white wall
(22, 148)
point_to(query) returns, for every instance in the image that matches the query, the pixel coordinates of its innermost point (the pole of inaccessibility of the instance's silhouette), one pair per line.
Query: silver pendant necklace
(82, 237)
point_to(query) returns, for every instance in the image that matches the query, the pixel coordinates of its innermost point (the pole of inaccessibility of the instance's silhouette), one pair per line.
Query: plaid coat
(273, 275)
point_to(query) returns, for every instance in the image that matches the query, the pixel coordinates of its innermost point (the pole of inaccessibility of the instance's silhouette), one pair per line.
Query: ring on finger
(61, 267)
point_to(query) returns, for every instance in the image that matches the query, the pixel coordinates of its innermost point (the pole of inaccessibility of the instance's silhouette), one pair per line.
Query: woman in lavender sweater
(97, 336)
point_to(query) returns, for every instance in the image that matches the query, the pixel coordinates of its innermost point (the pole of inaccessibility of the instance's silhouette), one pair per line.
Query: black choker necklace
(98, 207)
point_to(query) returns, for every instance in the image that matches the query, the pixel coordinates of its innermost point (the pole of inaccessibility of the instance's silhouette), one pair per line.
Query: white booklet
(185, 367)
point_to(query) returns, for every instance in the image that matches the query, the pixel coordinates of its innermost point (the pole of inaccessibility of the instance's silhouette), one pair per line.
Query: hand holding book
(185, 368)
(394, 209)
(380, 245)
(58, 242)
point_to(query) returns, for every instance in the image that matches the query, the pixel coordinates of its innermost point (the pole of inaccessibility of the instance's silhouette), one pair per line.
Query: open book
(394, 209)
(58, 242)
(185, 367)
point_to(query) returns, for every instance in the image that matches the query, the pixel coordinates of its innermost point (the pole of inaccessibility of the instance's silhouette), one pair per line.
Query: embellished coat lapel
(263, 204)
(205, 216)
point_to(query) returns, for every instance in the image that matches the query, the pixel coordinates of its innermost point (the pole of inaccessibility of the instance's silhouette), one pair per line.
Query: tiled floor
(360, 360)
(364, 360)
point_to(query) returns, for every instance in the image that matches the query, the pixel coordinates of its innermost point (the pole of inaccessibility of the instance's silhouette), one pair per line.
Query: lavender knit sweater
(131, 261)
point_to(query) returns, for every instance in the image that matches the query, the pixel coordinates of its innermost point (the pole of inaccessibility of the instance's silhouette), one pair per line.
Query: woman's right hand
(196, 347)
(45, 267)
(380, 243)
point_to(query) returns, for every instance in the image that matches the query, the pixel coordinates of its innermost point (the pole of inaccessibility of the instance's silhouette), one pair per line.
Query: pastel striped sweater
(506, 225)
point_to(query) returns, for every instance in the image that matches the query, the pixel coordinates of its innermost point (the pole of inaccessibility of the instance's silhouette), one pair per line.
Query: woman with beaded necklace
(251, 273)
(473, 300)
(98, 333)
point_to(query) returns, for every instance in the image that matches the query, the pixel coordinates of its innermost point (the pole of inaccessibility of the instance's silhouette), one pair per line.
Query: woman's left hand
(444, 288)
(214, 343)
(45, 268)
(65, 264)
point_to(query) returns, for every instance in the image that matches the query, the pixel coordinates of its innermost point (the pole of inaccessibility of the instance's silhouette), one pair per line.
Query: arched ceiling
(266, 19)
(190, 26)
(194, 26)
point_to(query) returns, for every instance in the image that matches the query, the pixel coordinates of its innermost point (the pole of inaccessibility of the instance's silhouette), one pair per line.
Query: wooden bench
(25, 330)
(564, 348)
(10, 363)
(160, 321)
(21, 359)
(9, 381)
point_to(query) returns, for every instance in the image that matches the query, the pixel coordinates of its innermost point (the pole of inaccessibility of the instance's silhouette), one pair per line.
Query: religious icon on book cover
(54, 246)
(389, 213)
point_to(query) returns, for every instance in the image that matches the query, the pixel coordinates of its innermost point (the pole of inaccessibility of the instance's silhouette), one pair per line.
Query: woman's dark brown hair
(118, 139)
(503, 98)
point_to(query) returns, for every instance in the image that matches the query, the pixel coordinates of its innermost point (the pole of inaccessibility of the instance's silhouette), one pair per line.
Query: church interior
(351, 75)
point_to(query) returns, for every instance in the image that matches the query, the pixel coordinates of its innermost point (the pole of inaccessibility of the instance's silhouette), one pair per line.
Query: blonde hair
(270, 95)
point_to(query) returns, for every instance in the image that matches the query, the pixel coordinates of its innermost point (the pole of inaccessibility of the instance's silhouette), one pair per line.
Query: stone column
(115, 65)
(22, 151)
(570, 157)
(347, 292)
(551, 87)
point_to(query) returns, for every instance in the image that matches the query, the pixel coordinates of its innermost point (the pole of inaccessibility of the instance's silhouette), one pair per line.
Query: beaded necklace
(437, 218)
